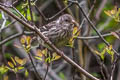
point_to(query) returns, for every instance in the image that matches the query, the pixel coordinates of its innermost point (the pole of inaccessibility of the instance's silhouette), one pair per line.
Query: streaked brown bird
(59, 31)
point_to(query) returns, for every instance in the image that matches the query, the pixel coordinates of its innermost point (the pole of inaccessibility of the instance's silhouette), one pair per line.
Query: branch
(97, 16)
(102, 66)
(93, 26)
(19, 13)
(12, 7)
(10, 38)
(15, 36)
(48, 65)
(49, 43)
(9, 24)
(36, 72)
(84, 19)
(47, 19)
(96, 37)
(4, 22)
(113, 67)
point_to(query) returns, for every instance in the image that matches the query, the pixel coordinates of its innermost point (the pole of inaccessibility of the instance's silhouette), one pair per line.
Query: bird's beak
(75, 23)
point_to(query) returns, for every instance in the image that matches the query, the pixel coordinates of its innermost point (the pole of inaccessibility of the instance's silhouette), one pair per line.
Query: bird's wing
(48, 31)
(48, 26)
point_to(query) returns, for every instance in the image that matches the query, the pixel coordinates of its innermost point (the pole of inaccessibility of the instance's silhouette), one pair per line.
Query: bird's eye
(66, 20)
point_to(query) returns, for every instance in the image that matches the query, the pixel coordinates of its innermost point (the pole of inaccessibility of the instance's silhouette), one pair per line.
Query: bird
(59, 31)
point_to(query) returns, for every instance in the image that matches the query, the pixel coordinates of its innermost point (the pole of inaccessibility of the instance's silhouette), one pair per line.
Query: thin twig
(2, 4)
(4, 22)
(15, 36)
(73, 54)
(97, 16)
(17, 76)
(112, 73)
(9, 24)
(10, 6)
(10, 38)
(102, 72)
(36, 72)
(15, 2)
(47, 19)
(84, 19)
(19, 13)
(96, 37)
(48, 65)
(47, 41)
(102, 66)
(113, 67)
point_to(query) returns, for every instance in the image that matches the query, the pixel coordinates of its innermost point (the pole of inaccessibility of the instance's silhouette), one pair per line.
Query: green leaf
(10, 64)
(112, 58)
(45, 51)
(24, 5)
(0, 16)
(62, 76)
(8, 55)
(110, 52)
(48, 60)
(19, 68)
(15, 70)
(26, 73)
(101, 46)
(114, 13)
(39, 58)
(3, 69)
(55, 56)
(65, 1)
(96, 75)
(102, 54)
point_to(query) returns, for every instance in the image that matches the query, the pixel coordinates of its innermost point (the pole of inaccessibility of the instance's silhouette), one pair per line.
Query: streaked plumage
(59, 31)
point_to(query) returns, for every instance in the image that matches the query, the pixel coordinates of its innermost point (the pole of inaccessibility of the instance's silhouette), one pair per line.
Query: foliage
(26, 43)
(114, 13)
(3, 69)
(16, 64)
(108, 50)
(75, 35)
(47, 55)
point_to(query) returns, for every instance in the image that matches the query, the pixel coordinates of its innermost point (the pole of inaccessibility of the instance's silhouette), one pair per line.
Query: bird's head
(67, 19)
